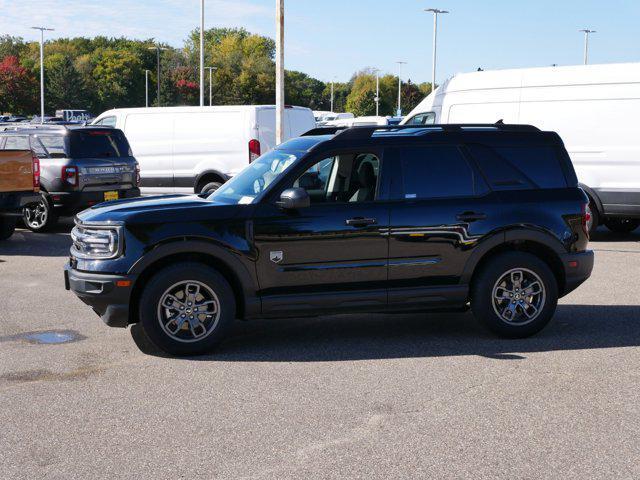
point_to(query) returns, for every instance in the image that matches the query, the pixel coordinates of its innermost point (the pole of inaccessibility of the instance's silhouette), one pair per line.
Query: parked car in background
(19, 186)
(79, 167)
(367, 219)
(323, 117)
(196, 149)
(594, 108)
(357, 122)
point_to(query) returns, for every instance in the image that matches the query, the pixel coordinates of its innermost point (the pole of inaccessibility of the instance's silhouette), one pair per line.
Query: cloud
(165, 20)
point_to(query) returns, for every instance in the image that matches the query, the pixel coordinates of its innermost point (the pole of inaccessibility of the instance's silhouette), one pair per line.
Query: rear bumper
(73, 202)
(102, 293)
(12, 203)
(577, 268)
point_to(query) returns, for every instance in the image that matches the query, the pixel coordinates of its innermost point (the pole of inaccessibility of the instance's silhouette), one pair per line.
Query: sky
(332, 39)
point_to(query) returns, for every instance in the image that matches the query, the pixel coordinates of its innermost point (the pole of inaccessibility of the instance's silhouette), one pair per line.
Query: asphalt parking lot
(375, 396)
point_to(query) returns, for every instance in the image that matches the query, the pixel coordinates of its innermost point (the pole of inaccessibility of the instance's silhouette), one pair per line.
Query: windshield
(245, 187)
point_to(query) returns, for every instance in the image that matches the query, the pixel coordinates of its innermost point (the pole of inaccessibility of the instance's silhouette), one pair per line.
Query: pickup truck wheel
(187, 308)
(514, 295)
(39, 217)
(7, 227)
(622, 225)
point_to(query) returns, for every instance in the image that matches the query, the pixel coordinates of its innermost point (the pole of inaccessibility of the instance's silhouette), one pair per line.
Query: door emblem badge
(276, 257)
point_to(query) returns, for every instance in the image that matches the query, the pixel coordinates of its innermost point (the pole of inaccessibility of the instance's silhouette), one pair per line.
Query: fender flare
(503, 238)
(593, 196)
(245, 280)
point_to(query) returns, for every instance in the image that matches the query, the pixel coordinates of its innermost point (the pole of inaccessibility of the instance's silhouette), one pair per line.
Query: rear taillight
(36, 173)
(70, 175)
(254, 150)
(586, 218)
(138, 180)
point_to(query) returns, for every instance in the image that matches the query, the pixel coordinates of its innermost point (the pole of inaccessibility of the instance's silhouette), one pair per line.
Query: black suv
(80, 167)
(389, 219)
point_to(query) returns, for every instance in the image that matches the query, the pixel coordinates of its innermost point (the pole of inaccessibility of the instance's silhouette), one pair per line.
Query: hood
(165, 208)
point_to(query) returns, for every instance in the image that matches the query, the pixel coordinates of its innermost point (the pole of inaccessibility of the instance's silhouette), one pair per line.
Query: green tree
(117, 77)
(64, 83)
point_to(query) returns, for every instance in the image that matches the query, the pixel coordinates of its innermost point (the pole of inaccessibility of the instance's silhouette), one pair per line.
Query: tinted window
(515, 168)
(422, 119)
(435, 172)
(54, 145)
(98, 144)
(37, 148)
(17, 143)
(539, 163)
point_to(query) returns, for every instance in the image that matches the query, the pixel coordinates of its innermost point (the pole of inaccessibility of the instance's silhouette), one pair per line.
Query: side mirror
(294, 198)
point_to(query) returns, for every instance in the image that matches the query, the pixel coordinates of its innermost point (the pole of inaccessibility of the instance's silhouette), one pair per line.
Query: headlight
(96, 242)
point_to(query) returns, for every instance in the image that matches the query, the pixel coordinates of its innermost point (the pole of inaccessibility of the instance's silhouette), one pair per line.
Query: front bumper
(73, 202)
(577, 268)
(108, 295)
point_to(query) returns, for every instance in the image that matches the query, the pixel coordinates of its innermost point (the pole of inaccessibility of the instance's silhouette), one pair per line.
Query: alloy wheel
(188, 311)
(37, 214)
(518, 296)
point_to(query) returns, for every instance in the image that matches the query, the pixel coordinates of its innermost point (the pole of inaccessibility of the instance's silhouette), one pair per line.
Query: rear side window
(98, 144)
(522, 167)
(436, 171)
(54, 145)
(428, 118)
(107, 122)
(17, 143)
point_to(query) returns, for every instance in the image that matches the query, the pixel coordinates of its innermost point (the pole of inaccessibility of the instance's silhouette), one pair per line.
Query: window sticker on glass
(246, 200)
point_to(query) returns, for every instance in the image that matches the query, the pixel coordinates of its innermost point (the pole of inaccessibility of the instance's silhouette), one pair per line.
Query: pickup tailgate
(16, 171)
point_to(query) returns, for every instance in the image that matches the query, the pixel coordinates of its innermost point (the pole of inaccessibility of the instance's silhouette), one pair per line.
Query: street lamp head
(43, 29)
(435, 10)
(586, 30)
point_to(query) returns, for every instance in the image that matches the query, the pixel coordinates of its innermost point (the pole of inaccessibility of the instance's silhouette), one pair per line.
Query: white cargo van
(594, 108)
(187, 149)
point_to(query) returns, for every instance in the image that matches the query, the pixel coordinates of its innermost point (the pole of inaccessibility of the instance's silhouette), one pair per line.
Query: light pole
(399, 112)
(146, 88)
(211, 69)
(202, 53)
(377, 97)
(332, 95)
(586, 32)
(157, 48)
(435, 12)
(279, 71)
(42, 29)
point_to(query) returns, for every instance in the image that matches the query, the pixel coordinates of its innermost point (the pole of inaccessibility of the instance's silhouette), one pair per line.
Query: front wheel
(39, 217)
(622, 225)
(514, 295)
(187, 308)
(210, 187)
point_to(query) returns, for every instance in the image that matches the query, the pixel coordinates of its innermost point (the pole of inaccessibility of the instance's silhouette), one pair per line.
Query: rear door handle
(361, 221)
(471, 216)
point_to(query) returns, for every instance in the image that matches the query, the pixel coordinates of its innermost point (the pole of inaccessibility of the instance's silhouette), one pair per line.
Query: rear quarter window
(519, 167)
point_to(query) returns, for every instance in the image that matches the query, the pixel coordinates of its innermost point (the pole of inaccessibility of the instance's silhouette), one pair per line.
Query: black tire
(184, 342)
(622, 225)
(210, 187)
(593, 225)
(7, 227)
(40, 217)
(486, 280)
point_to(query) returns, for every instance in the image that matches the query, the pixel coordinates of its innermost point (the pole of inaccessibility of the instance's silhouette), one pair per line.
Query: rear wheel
(210, 187)
(514, 295)
(39, 217)
(622, 225)
(187, 308)
(7, 227)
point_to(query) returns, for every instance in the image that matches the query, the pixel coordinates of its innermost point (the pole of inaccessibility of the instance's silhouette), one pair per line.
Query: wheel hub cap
(518, 296)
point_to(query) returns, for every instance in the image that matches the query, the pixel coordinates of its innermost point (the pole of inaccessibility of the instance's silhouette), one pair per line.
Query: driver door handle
(361, 221)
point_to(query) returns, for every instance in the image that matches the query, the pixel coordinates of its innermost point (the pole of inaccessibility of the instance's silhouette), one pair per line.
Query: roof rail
(361, 132)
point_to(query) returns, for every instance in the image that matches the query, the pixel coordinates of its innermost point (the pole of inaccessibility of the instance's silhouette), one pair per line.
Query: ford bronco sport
(386, 219)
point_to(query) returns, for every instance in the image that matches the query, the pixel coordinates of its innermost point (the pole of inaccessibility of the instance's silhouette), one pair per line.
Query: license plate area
(108, 196)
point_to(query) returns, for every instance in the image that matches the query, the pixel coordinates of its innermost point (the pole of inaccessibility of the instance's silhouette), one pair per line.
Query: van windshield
(247, 185)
